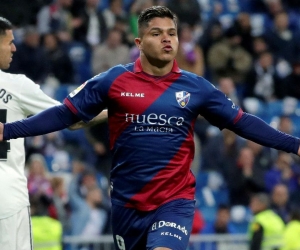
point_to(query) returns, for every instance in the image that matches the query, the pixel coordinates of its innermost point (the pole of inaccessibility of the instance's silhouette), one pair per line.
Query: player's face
(159, 41)
(7, 48)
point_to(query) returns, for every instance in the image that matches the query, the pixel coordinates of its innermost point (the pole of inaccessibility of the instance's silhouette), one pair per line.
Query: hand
(1, 131)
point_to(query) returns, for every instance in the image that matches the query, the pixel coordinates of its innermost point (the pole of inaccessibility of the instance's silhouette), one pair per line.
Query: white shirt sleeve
(32, 99)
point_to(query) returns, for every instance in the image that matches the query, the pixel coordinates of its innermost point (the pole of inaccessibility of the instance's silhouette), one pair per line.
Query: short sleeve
(90, 98)
(32, 99)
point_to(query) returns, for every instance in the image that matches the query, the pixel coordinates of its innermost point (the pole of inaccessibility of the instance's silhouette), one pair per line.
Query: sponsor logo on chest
(131, 94)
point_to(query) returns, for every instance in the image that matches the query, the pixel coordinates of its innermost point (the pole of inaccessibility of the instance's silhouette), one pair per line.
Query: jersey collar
(138, 67)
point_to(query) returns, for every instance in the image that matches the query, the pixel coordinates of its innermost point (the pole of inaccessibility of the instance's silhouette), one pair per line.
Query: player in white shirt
(19, 98)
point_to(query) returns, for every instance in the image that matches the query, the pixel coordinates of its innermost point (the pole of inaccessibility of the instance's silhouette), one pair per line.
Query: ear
(138, 42)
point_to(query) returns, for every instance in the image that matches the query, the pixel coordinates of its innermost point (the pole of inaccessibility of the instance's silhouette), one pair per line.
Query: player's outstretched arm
(255, 129)
(97, 119)
(50, 120)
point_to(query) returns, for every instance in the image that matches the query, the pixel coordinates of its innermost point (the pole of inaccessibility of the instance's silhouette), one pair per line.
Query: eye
(172, 34)
(155, 34)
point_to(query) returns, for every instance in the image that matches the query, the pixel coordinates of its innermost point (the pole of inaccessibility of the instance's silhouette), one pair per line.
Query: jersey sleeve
(32, 99)
(217, 108)
(90, 98)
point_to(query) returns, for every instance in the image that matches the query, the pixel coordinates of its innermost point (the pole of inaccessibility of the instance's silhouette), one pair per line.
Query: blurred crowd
(249, 49)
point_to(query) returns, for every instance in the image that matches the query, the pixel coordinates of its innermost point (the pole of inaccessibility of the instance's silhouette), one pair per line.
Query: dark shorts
(168, 226)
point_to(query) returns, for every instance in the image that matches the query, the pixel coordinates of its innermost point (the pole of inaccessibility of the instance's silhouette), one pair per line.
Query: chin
(4, 67)
(167, 58)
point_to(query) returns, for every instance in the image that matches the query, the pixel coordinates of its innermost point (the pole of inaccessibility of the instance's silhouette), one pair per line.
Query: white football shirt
(19, 98)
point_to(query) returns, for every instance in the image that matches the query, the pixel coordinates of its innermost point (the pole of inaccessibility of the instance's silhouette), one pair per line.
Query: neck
(155, 67)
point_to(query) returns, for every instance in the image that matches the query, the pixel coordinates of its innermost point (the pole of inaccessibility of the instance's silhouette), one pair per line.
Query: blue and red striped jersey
(151, 123)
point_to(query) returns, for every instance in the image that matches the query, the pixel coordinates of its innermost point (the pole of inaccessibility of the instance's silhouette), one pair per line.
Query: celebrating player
(152, 106)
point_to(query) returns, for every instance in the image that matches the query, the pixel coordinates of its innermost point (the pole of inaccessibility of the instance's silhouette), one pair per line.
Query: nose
(13, 48)
(166, 39)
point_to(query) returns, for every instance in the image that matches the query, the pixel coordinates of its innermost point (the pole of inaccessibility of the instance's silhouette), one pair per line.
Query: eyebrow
(159, 29)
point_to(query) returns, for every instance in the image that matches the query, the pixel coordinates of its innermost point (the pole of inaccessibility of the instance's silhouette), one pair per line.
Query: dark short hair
(155, 11)
(5, 25)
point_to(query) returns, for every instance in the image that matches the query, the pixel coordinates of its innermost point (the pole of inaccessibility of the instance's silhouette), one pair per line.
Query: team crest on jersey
(75, 91)
(182, 98)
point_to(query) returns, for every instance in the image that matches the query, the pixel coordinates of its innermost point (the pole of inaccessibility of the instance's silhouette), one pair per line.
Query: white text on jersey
(129, 94)
(154, 119)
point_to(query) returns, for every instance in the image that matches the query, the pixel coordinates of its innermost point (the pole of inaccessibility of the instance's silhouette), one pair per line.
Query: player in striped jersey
(152, 107)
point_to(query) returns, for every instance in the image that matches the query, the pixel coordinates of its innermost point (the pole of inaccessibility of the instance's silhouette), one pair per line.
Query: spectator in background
(50, 146)
(213, 30)
(229, 57)
(221, 225)
(122, 25)
(88, 218)
(38, 179)
(292, 231)
(113, 12)
(266, 228)
(262, 81)
(245, 179)
(189, 56)
(198, 222)
(273, 7)
(56, 17)
(90, 178)
(264, 156)
(282, 41)
(60, 65)
(292, 81)
(110, 53)
(287, 125)
(282, 173)
(30, 58)
(135, 9)
(61, 209)
(187, 11)
(47, 232)
(93, 29)
(280, 201)
(242, 24)
(227, 86)
(259, 46)
(213, 33)
(99, 139)
(226, 146)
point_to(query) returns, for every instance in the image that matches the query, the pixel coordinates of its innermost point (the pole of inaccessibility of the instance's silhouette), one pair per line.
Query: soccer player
(152, 106)
(19, 98)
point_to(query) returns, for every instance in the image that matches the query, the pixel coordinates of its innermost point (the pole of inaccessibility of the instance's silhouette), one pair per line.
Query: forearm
(50, 120)
(255, 129)
(101, 117)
